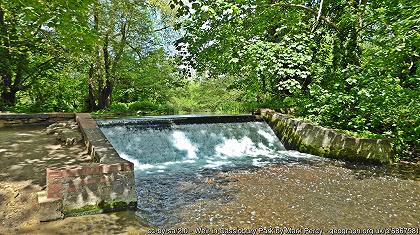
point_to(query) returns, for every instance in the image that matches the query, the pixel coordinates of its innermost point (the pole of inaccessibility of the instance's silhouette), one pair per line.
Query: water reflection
(401, 170)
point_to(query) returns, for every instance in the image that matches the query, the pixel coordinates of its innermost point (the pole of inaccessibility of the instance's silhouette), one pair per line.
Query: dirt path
(25, 153)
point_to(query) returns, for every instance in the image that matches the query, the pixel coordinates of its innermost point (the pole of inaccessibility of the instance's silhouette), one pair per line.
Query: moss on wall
(313, 139)
(101, 207)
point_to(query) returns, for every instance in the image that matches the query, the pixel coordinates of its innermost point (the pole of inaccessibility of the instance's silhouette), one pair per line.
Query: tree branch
(314, 12)
(318, 17)
(157, 30)
(320, 10)
(135, 50)
(40, 68)
(121, 46)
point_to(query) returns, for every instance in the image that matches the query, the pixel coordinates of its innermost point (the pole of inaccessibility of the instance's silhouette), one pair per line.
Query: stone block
(49, 209)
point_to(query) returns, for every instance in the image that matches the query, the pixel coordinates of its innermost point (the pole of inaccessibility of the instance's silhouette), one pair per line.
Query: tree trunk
(12, 65)
(105, 98)
(107, 59)
(105, 91)
(91, 97)
(9, 97)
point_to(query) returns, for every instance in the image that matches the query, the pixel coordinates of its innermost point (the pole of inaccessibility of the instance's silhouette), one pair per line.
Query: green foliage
(142, 106)
(209, 95)
(34, 45)
(353, 67)
(153, 79)
(59, 94)
(84, 56)
(117, 107)
(166, 109)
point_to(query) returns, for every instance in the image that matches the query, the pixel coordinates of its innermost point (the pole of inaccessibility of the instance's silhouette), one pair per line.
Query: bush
(167, 109)
(145, 105)
(118, 107)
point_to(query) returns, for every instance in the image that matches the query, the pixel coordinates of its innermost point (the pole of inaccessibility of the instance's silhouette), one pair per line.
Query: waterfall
(165, 146)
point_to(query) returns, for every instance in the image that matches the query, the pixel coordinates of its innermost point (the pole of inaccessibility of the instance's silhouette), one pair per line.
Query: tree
(125, 30)
(151, 79)
(32, 42)
(46, 49)
(350, 65)
(270, 47)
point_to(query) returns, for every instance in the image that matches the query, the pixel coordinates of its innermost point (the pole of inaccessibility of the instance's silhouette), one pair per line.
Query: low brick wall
(317, 140)
(20, 119)
(92, 188)
(106, 184)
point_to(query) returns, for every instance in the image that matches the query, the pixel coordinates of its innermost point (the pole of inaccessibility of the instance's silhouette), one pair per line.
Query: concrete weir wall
(313, 139)
(106, 184)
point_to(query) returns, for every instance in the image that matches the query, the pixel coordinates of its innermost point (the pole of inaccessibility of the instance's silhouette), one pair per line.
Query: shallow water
(302, 191)
(320, 196)
(238, 175)
(299, 196)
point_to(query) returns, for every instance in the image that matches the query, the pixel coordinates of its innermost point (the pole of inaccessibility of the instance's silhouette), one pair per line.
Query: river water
(239, 176)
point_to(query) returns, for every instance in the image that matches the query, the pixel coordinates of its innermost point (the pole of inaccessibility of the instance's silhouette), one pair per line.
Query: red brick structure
(106, 184)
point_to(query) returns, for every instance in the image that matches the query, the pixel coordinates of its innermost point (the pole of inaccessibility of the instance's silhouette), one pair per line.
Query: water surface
(240, 175)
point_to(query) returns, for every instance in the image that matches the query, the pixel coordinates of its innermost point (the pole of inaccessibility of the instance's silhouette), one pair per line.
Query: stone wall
(106, 184)
(317, 140)
(19, 119)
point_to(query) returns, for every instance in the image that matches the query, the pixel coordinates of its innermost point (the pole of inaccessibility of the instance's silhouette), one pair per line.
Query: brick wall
(106, 184)
(91, 184)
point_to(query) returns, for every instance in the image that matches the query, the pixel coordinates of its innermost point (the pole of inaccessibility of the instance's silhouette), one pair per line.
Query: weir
(192, 143)
(174, 155)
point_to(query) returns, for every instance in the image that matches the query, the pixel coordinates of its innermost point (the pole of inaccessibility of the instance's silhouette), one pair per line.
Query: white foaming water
(181, 142)
(183, 148)
(269, 136)
(235, 147)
